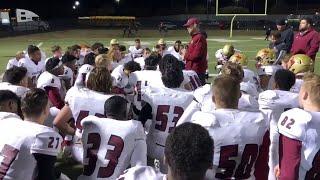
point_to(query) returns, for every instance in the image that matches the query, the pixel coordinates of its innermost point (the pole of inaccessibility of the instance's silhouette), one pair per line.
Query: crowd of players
(138, 114)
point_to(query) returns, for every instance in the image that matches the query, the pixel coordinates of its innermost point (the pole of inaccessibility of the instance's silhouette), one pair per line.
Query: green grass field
(249, 42)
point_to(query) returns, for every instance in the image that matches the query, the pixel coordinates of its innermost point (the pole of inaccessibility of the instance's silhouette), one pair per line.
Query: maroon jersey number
(51, 142)
(163, 114)
(112, 155)
(287, 125)
(195, 82)
(243, 170)
(82, 115)
(9, 153)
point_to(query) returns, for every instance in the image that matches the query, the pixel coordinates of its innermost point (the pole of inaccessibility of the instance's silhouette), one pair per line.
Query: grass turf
(249, 42)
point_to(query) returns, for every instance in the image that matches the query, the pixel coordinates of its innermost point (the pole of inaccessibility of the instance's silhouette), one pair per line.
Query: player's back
(84, 102)
(237, 136)
(18, 90)
(142, 173)
(167, 106)
(301, 129)
(110, 146)
(19, 140)
(82, 75)
(193, 77)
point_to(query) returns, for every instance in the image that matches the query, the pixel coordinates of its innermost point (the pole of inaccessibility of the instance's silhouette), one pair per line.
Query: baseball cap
(161, 41)
(53, 63)
(191, 21)
(114, 42)
(281, 22)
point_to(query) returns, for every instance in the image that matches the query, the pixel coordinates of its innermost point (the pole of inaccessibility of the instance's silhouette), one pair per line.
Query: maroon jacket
(306, 43)
(196, 55)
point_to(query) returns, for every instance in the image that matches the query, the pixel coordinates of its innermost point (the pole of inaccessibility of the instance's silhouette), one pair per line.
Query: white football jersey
(174, 53)
(33, 70)
(12, 63)
(167, 107)
(82, 75)
(250, 76)
(272, 103)
(249, 88)
(18, 90)
(141, 61)
(136, 52)
(110, 146)
(297, 86)
(84, 102)
(304, 127)
(19, 140)
(120, 79)
(68, 74)
(47, 79)
(142, 173)
(193, 78)
(237, 136)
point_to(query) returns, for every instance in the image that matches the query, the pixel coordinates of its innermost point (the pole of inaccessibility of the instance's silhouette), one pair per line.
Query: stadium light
(74, 7)
(77, 3)
(118, 1)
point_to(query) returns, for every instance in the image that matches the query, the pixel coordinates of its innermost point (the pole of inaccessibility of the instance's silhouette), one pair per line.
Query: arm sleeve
(45, 165)
(54, 96)
(145, 113)
(289, 41)
(197, 52)
(289, 156)
(314, 46)
(139, 155)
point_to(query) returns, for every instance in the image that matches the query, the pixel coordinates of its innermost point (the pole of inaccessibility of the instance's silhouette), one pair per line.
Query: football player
(249, 75)
(223, 55)
(140, 60)
(121, 75)
(69, 66)
(164, 106)
(188, 154)
(202, 96)
(299, 64)
(137, 49)
(29, 149)
(56, 51)
(81, 102)
(228, 126)
(74, 51)
(191, 78)
(34, 65)
(176, 49)
(274, 102)
(163, 47)
(89, 63)
(9, 104)
(266, 68)
(15, 79)
(51, 83)
(15, 61)
(299, 134)
(113, 143)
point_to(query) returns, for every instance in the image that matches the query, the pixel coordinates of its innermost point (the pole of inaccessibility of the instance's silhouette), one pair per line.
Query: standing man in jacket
(307, 40)
(196, 54)
(287, 34)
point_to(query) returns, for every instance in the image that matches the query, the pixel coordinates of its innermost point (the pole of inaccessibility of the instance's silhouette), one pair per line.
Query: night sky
(49, 9)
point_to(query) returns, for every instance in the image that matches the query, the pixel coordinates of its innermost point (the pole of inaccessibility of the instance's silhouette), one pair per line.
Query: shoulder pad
(293, 123)
(204, 119)
(48, 143)
(267, 97)
(201, 92)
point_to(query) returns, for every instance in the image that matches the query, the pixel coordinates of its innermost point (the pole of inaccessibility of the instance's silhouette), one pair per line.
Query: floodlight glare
(77, 3)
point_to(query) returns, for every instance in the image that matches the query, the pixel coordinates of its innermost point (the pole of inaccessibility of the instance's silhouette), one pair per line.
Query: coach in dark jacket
(287, 34)
(196, 54)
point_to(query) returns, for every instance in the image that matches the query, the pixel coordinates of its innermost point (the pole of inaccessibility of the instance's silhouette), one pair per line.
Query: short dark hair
(75, 47)
(276, 34)
(89, 59)
(170, 68)
(55, 48)
(132, 66)
(308, 20)
(186, 162)
(137, 40)
(52, 63)
(152, 61)
(34, 103)
(122, 48)
(116, 107)
(178, 41)
(14, 75)
(284, 79)
(97, 45)
(6, 95)
(68, 58)
(103, 50)
(32, 49)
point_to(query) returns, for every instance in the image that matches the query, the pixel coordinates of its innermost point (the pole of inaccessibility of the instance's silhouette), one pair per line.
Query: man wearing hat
(196, 54)
(286, 34)
(114, 43)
